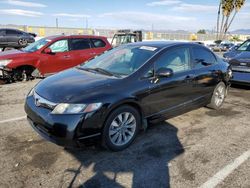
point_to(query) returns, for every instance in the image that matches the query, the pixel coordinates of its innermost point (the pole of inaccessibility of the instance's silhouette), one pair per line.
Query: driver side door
(168, 95)
(59, 60)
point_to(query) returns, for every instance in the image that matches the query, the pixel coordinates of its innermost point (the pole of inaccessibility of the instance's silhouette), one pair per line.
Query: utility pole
(86, 23)
(56, 22)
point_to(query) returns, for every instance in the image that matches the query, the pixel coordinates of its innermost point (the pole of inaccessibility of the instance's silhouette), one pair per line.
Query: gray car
(13, 38)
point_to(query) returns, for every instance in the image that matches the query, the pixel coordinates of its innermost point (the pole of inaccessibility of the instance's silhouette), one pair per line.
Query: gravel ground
(182, 152)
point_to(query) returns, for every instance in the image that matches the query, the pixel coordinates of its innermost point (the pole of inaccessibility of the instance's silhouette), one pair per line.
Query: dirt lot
(185, 151)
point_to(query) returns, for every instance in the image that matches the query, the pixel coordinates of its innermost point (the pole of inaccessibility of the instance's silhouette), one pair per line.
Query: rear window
(80, 44)
(98, 43)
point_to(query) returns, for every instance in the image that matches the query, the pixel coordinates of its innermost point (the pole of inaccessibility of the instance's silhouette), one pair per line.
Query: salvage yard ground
(186, 151)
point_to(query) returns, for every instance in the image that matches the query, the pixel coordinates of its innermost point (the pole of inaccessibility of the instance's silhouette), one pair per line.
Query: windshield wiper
(100, 70)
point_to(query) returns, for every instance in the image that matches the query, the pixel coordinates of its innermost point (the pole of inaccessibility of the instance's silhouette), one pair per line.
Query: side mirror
(164, 72)
(47, 51)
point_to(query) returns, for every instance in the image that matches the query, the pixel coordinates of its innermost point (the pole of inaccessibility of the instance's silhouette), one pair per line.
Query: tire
(219, 95)
(121, 128)
(19, 75)
(23, 42)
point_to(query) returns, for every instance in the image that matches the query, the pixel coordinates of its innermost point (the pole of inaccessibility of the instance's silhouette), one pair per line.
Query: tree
(227, 8)
(201, 31)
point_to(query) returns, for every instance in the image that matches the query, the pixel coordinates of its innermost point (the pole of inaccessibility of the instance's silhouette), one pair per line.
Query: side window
(59, 46)
(177, 59)
(80, 44)
(98, 43)
(11, 32)
(202, 57)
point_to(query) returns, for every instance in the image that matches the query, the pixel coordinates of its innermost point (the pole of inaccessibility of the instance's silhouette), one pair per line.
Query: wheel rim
(219, 95)
(22, 42)
(122, 129)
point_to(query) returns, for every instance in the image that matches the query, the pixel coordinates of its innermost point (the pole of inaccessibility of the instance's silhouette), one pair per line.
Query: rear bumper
(241, 78)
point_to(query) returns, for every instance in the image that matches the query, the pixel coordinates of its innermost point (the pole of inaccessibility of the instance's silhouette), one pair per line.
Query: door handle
(67, 56)
(189, 78)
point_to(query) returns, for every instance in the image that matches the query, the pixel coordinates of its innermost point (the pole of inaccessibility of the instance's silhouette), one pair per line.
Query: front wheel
(121, 128)
(218, 97)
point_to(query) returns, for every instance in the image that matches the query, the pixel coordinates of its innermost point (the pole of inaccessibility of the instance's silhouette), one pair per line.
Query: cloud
(163, 3)
(71, 15)
(194, 8)
(25, 3)
(144, 19)
(20, 12)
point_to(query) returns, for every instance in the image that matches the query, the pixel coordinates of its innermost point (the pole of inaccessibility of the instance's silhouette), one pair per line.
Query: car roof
(159, 44)
(11, 29)
(54, 37)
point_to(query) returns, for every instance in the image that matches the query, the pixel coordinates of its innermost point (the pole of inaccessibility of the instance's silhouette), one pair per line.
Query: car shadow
(244, 87)
(144, 164)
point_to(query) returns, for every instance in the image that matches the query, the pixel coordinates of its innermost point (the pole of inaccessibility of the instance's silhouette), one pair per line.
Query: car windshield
(121, 61)
(245, 46)
(36, 45)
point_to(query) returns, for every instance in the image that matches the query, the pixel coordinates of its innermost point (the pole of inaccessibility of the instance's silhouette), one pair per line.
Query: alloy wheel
(122, 129)
(22, 42)
(219, 95)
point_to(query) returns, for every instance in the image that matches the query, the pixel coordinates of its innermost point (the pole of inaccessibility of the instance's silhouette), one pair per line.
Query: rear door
(207, 71)
(81, 50)
(99, 46)
(12, 36)
(60, 58)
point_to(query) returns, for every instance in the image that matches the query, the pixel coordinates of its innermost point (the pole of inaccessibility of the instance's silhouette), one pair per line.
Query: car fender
(23, 61)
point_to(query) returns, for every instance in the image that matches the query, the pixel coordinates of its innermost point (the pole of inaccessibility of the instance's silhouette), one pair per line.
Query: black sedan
(13, 38)
(113, 96)
(240, 62)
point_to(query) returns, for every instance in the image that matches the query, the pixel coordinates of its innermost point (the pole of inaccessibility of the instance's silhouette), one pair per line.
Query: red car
(50, 55)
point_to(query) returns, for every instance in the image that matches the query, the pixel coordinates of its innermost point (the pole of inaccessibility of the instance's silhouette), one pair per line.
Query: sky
(189, 15)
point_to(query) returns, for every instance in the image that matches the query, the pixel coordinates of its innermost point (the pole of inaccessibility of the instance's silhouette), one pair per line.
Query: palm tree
(227, 7)
(218, 21)
(238, 5)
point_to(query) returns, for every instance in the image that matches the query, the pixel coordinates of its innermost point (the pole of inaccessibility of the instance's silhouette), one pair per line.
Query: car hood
(73, 86)
(236, 54)
(10, 54)
(243, 56)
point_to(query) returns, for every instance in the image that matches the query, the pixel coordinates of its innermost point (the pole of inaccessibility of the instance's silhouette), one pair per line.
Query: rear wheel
(218, 97)
(121, 128)
(22, 42)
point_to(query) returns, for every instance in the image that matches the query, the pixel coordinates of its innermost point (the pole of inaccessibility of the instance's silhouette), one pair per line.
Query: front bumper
(64, 130)
(241, 78)
(5, 73)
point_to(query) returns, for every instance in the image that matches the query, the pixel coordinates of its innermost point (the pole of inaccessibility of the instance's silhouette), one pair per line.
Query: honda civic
(113, 96)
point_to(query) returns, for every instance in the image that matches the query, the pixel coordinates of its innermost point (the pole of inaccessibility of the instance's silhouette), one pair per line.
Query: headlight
(64, 108)
(5, 62)
(227, 59)
(230, 73)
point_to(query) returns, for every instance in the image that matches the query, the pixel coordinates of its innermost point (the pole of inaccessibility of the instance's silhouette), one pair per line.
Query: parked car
(50, 55)
(234, 47)
(14, 38)
(214, 47)
(240, 62)
(225, 46)
(114, 95)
